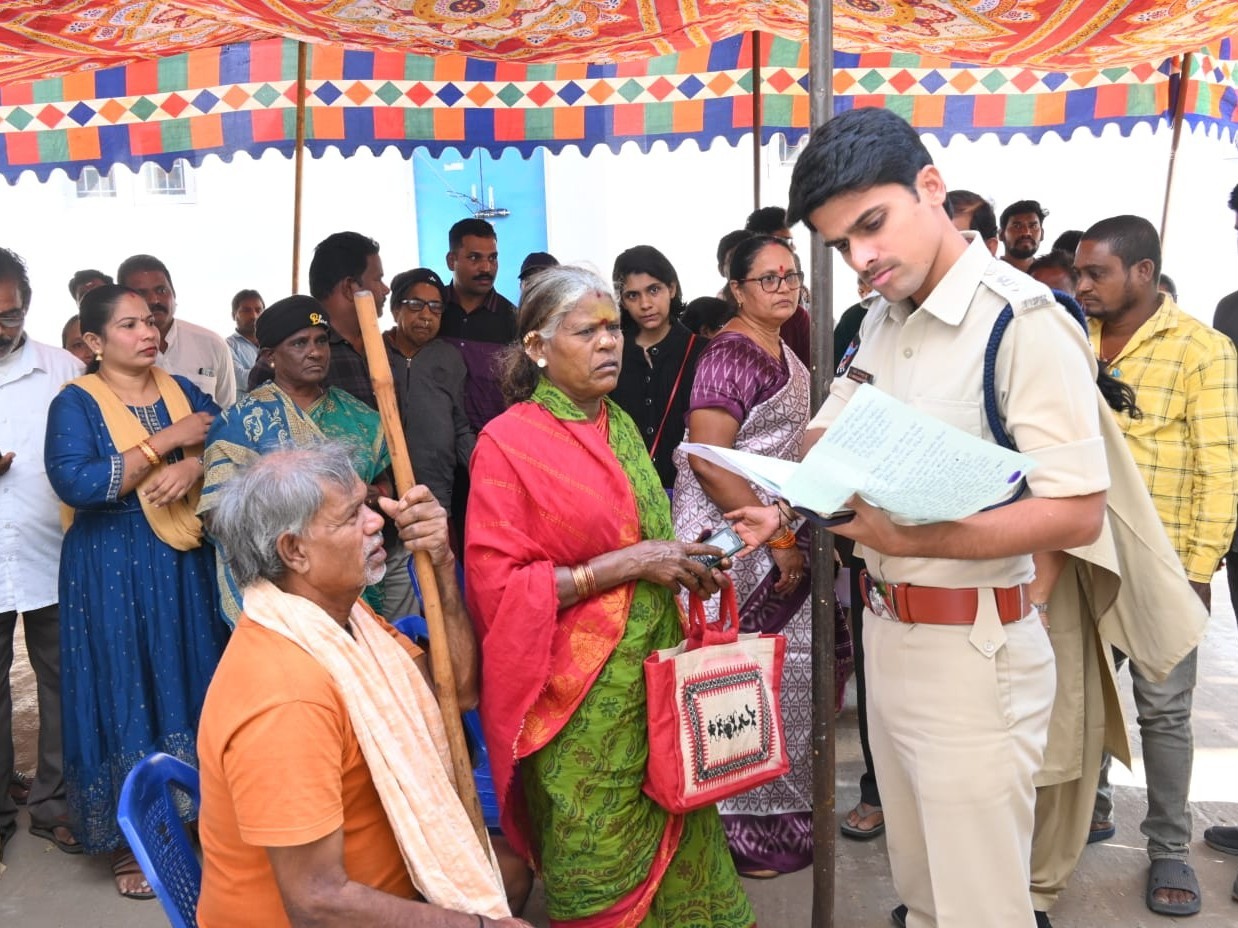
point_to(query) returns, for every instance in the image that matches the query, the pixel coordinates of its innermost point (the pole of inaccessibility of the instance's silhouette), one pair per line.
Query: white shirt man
(202, 357)
(30, 375)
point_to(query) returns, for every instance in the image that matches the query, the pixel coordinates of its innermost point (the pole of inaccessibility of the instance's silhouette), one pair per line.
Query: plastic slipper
(124, 864)
(1167, 873)
(857, 833)
(1101, 831)
(48, 833)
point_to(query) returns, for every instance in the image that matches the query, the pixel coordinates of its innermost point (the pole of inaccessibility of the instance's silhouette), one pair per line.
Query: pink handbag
(715, 712)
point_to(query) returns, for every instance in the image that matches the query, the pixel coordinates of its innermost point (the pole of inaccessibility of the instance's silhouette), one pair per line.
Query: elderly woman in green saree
(572, 569)
(293, 410)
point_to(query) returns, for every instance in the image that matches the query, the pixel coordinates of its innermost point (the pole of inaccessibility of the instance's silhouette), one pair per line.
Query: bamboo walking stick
(402, 467)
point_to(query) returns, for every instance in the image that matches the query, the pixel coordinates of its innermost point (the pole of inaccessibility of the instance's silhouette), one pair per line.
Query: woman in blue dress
(139, 637)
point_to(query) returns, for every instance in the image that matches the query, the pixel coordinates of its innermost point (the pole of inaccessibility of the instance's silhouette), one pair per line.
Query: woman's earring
(541, 362)
(98, 355)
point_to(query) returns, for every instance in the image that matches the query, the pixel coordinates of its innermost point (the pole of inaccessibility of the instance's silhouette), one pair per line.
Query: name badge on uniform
(206, 371)
(859, 376)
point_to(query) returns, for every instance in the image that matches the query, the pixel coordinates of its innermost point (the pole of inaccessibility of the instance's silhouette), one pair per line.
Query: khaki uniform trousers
(958, 720)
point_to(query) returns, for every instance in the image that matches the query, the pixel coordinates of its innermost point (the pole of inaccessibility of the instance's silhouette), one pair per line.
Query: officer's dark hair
(1131, 238)
(477, 227)
(338, 257)
(1233, 199)
(854, 151)
(136, 264)
(13, 269)
(768, 220)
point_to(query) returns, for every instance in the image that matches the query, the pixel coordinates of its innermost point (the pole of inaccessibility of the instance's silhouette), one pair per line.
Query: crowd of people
(203, 538)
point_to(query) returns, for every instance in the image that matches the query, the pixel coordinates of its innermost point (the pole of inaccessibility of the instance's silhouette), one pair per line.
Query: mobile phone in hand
(726, 539)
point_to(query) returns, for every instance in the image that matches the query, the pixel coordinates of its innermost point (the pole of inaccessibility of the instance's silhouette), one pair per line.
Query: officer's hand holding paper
(915, 467)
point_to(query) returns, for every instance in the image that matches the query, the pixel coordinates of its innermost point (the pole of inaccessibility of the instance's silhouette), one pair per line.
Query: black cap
(1020, 207)
(537, 261)
(406, 280)
(287, 317)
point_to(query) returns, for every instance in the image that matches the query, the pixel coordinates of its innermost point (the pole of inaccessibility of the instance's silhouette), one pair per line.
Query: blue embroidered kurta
(139, 634)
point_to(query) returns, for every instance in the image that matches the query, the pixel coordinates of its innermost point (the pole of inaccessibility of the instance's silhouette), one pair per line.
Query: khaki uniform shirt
(932, 359)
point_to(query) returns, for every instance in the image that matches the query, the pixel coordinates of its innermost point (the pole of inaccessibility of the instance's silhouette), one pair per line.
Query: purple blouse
(735, 374)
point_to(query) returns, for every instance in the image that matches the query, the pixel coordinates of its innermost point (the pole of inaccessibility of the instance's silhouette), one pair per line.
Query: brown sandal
(124, 867)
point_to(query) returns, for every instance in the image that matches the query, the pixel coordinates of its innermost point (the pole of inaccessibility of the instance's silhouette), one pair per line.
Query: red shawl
(544, 493)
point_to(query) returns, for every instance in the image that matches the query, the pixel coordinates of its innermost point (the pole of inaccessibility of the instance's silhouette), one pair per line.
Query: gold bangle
(582, 584)
(151, 455)
(784, 541)
(590, 579)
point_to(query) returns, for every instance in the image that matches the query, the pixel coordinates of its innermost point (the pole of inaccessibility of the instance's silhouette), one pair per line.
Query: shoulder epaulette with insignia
(1016, 288)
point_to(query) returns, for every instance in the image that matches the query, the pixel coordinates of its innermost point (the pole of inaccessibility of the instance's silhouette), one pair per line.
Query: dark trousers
(1231, 576)
(47, 804)
(868, 779)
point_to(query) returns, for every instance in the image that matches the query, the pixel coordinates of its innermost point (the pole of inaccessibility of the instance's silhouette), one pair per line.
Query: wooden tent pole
(1179, 109)
(402, 467)
(756, 119)
(298, 167)
(824, 829)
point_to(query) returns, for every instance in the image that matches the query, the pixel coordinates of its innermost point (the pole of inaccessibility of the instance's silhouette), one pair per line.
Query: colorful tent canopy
(39, 39)
(242, 98)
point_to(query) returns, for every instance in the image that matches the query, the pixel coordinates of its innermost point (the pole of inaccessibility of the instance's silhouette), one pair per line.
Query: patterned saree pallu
(715, 712)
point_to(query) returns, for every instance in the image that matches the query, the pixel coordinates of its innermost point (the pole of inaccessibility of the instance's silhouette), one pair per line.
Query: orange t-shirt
(281, 767)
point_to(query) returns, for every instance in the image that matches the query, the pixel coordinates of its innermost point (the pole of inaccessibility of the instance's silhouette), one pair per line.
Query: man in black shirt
(343, 264)
(476, 319)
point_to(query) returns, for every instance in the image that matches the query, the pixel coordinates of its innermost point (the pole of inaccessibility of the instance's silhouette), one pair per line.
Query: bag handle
(653, 450)
(701, 632)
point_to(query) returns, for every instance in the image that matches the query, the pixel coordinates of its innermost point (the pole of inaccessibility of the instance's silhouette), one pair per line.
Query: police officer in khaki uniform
(961, 666)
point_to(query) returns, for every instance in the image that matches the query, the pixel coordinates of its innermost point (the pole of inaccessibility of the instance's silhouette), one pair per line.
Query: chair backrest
(150, 817)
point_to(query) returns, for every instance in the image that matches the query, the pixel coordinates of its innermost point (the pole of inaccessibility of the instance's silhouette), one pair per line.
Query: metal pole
(298, 167)
(1179, 109)
(756, 119)
(821, 105)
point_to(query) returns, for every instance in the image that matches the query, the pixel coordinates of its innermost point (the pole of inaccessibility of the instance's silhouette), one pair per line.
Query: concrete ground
(43, 888)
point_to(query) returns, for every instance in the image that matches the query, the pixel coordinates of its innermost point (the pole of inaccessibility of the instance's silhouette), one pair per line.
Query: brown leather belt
(935, 605)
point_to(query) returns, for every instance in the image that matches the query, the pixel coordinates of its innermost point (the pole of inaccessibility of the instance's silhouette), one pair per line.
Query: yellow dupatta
(176, 523)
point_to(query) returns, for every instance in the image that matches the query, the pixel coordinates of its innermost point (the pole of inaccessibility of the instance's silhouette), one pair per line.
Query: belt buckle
(878, 602)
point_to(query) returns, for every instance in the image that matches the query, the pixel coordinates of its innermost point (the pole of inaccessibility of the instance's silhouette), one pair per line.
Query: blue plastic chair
(151, 824)
(414, 626)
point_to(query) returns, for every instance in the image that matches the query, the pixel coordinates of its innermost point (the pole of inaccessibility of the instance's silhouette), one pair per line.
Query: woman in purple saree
(752, 394)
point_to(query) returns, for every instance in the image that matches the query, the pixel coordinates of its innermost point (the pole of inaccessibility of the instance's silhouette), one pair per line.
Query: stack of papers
(902, 460)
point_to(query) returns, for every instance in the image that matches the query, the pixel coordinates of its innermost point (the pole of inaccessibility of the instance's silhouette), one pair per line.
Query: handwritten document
(902, 460)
